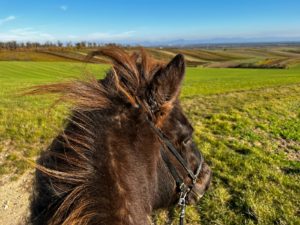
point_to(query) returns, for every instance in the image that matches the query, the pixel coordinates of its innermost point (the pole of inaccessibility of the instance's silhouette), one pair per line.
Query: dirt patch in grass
(14, 199)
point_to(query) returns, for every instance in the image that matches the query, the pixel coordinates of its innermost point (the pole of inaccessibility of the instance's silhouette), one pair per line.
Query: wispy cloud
(102, 36)
(7, 19)
(106, 36)
(64, 7)
(31, 34)
(72, 37)
(26, 34)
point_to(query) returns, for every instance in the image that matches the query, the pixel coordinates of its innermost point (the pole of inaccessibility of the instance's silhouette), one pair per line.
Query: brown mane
(128, 75)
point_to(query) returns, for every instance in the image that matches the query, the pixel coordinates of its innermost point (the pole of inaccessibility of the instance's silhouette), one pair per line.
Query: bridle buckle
(184, 190)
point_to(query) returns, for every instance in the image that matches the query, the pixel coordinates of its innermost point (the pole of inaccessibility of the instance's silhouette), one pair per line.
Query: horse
(126, 149)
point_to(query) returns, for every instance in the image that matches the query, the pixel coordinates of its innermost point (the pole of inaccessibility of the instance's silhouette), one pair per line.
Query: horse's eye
(187, 141)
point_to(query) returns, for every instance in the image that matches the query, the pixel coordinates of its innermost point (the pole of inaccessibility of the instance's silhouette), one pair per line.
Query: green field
(247, 123)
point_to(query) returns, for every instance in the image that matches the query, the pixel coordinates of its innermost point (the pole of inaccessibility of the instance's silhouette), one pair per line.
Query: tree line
(14, 45)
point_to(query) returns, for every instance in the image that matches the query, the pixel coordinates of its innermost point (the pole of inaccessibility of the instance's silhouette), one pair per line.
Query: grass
(252, 141)
(247, 124)
(27, 124)
(207, 81)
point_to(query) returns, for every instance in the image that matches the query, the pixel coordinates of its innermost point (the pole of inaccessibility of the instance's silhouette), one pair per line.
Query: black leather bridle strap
(171, 168)
(182, 187)
(173, 150)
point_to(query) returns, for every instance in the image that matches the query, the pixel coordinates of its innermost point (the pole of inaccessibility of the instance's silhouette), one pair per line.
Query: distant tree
(59, 44)
(12, 45)
(78, 45)
(83, 44)
(69, 44)
(112, 45)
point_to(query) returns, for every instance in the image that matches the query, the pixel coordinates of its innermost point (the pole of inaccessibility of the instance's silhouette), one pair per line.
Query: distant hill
(218, 56)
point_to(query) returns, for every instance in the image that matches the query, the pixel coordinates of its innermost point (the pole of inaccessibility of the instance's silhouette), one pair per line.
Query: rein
(183, 188)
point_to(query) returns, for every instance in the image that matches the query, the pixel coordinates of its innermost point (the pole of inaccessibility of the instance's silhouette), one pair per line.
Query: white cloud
(109, 36)
(72, 37)
(26, 34)
(7, 19)
(63, 7)
(31, 34)
(101, 36)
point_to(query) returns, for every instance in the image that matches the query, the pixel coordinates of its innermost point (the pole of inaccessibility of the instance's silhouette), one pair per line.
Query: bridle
(182, 188)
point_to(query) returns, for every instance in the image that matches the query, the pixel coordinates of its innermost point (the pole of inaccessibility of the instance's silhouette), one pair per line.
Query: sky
(145, 20)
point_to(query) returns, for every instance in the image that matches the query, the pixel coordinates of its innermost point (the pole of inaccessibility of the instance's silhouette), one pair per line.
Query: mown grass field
(247, 123)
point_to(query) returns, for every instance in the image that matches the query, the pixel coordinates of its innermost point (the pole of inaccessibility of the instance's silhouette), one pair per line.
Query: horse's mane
(129, 74)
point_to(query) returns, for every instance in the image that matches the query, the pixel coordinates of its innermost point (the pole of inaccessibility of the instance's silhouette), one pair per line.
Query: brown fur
(106, 168)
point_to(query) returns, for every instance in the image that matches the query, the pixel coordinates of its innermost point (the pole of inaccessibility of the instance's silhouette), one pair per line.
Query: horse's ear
(166, 83)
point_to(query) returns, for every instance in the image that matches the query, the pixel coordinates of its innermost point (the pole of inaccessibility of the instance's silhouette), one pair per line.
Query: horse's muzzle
(201, 186)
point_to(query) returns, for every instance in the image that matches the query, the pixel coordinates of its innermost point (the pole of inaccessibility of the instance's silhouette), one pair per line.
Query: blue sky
(125, 20)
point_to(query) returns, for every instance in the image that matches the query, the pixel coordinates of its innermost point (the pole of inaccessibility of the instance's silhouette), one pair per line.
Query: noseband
(182, 188)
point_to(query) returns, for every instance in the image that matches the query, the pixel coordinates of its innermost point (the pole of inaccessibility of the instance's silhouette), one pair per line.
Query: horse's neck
(130, 173)
(125, 185)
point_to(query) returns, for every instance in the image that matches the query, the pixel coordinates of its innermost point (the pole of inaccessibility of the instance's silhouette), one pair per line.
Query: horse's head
(175, 134)
(152, 92)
